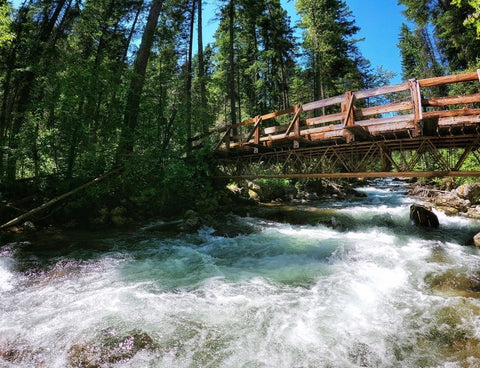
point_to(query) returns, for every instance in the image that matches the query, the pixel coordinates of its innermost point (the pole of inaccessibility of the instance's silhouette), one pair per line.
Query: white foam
(5, 276)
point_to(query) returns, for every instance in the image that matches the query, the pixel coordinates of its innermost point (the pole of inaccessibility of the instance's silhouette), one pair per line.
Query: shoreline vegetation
(274, 199)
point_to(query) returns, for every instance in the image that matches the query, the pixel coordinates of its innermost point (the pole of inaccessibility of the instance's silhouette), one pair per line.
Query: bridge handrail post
(416, 98)
(225, 138)
(295, 124)
(348, 109)
(256, 137)
(296, 128)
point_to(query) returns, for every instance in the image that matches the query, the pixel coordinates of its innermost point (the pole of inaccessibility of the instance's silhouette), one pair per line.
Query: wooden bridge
(412, 129)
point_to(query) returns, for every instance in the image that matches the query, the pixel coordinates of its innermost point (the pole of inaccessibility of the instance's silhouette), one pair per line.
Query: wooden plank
(264, 117)
(394, 119)
(272, 115)
(323, 103)
(258, 121)
(325, 119)
(275, 129)
(227, 143)
(382, 109)
(402, 126)
(349, 109)
(437, 81)
(321, 129)
(381, 91)
(448, 113)
(333, 135)
(451, 100)
(295, 121)
(459, 120)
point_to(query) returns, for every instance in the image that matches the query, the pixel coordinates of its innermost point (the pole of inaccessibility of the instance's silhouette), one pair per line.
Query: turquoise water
(372, 292)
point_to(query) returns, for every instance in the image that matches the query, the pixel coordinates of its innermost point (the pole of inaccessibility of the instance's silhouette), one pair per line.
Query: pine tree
(333, 58)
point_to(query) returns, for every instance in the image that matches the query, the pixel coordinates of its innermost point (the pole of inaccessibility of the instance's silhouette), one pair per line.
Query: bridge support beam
(414, 157)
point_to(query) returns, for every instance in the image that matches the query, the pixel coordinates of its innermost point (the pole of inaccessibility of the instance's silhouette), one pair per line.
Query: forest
(93, 86)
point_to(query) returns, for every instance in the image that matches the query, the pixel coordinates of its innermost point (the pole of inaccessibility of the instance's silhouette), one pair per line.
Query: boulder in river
(476, 240)
(423, 216)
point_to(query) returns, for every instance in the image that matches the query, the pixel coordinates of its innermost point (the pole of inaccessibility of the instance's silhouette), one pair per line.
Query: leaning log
(57, 199)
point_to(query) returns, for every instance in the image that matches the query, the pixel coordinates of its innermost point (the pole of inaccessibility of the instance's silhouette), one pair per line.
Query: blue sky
(379, 22)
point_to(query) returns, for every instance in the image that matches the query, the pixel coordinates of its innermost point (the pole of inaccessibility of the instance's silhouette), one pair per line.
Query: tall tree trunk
(130, 120)
(25, 85)
(231, 60)
(201, 71)
(189, 79)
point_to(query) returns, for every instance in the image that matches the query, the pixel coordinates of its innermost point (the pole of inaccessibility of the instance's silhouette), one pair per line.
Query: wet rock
(362, 355)
(450, 199)
(449, 211)
(191, 221)
(110, 348)
(423, 216)
(17, 354)
(383, 220)
(473, 212)
(231, 227)
(476, 240)
(470, 192)
(454, 283)
(448, 334)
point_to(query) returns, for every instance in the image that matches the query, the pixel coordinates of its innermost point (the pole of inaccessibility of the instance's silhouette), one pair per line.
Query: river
(367, 289)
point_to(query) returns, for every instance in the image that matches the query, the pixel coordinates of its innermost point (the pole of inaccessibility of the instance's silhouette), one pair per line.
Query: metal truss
(422, 156)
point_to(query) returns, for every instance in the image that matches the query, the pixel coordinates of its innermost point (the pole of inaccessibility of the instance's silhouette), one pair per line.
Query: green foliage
(330, 48)
(473, 18)
(6, 33)
(441, 36)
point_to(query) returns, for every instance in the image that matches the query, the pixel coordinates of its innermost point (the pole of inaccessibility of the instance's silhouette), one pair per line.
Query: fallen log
(57, 199)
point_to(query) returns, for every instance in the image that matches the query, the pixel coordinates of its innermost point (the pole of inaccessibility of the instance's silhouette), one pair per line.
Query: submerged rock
(423, 216)
(110, 349)
(454, 283)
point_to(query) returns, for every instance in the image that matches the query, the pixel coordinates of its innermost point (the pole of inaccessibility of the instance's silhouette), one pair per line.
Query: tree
(130, 123)
(472, 18)
(333, 58)
(441, 24)
(201, 71)
(6, 34)
(418, 56)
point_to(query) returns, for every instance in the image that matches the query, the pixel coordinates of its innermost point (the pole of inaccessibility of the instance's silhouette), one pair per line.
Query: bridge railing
(353, 115)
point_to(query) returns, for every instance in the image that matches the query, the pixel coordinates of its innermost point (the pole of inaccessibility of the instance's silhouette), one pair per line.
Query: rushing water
(365, 290)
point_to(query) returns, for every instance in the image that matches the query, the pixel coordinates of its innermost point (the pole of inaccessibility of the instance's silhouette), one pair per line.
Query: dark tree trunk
(201, 71)
(231, 56)
(130, 120)
(189, 79)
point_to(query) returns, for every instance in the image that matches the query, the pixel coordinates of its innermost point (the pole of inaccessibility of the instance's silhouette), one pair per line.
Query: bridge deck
(358, 117)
